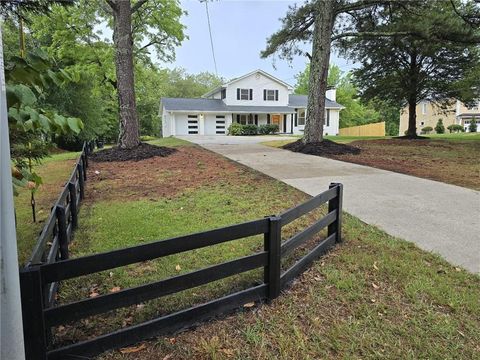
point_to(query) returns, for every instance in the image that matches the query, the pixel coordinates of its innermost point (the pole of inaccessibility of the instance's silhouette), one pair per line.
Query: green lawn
(373, 296)
(54, 171)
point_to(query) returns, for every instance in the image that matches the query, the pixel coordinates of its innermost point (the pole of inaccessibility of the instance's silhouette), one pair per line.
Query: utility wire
(211, 38)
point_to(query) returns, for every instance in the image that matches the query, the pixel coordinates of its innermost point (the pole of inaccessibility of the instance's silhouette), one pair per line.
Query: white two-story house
(255, 98)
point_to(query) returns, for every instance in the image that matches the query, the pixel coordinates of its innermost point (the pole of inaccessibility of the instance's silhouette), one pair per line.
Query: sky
(239, 29)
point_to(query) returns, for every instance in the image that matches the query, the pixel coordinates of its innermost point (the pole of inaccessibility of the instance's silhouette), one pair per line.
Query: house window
(270, 95)
(327, 118)
(224, 93)
(422, 123)
(301, 117)
(424, 108)
(244, 94)
(245, 119)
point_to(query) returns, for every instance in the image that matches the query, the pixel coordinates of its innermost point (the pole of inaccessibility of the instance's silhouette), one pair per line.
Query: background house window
(224, 93)
(327, 117)
(424, 108)
(301, 117)
(422, 123)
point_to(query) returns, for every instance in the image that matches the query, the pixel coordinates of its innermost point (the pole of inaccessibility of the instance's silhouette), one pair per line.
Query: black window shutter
(238, 93)
(251, 94)
(268, 118)
(276, 95)
(238, 118)
(291, 123)
(284, 123)
(256, 119)
(328, 117)
(296, 117)
(264, 94)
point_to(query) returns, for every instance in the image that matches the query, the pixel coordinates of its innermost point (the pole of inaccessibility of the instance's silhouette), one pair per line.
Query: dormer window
(244, 94)
(270, 95)
(224, 93)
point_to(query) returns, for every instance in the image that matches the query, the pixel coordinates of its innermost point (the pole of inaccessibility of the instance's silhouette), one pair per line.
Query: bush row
(237, 129)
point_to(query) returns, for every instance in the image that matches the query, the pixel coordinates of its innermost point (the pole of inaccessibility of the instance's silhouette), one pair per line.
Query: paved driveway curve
(437, 217)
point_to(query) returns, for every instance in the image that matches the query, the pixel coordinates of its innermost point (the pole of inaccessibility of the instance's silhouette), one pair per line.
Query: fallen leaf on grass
(115, 289)
(375, 266)
(172, 341)
(249, 305)
(178, 268)
(167, 357)
(228, 352)
(93, 294)
(133, 349)
(375, 286)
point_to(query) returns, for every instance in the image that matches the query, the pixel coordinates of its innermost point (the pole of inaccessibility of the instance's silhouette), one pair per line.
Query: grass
(373, 296)
(54, 171)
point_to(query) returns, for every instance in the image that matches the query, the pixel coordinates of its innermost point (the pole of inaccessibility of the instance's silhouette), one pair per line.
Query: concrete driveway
(438, 217)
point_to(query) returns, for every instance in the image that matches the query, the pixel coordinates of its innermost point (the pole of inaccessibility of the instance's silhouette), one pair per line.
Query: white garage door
(215, 125)
(187, 124)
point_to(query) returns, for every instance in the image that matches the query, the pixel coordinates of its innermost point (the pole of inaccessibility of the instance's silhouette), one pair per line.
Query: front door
(276, 121)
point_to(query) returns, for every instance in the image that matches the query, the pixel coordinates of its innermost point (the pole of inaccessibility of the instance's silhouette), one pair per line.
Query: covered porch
(284, 120)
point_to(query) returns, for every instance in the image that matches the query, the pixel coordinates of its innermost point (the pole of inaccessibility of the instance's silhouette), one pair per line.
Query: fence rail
(40, 315)
(52, 243)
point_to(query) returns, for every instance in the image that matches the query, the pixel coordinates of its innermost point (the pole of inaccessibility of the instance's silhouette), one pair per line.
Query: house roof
(217, 105)
(217, 89)
(301, 101)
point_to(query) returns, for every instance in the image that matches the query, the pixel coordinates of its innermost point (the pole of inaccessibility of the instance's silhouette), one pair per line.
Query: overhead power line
(211, 38)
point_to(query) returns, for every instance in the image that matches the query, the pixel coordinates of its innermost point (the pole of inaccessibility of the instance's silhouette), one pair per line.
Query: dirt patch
(326, 147)
(157, 177)
(141, 152)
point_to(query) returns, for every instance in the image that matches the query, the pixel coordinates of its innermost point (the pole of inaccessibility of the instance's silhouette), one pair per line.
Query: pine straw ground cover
(373, 296)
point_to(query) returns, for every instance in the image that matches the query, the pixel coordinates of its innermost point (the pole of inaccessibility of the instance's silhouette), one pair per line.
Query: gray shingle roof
(217, 105)
(301, 101)
(184, 104)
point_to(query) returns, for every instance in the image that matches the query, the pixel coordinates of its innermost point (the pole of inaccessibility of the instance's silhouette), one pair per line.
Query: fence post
(62, 231)
(336, 204)
(32, 313)
(272, 245)
(84, 163)
(73, 204)
(81, 180)
(86, 152)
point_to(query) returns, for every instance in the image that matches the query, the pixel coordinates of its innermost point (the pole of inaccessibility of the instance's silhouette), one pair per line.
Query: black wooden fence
(52, 244)
(39, 316)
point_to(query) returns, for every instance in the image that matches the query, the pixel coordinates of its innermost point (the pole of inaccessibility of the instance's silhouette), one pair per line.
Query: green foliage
(235, 129)
(267, 129)
(440, 128)
(427, 130)
(433, 60)
(473, 125)
(249, 129)
(355, 112)
(455, 128)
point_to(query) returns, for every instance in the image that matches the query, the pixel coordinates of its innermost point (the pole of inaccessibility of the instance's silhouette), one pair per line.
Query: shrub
(427, 129)
(267, 129)
(249, 129)
(455, 128)
(440, 128)
(473, 125)
(235, 129)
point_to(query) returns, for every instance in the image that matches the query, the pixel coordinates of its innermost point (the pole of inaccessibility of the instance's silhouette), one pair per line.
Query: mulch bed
(141, 152)
(326, 147)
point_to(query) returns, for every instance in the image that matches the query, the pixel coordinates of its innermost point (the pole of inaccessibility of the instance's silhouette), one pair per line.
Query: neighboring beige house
(428, 114)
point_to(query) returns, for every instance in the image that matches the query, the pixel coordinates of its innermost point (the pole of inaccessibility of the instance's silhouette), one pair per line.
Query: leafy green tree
(440, 128)
(154, 22)
(355, 112)
(323, 22)
(431, 60)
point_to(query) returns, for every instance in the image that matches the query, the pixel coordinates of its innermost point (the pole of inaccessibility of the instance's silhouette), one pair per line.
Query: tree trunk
(412, 97)
(322, 34)
(412, 117)
(122, 39)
